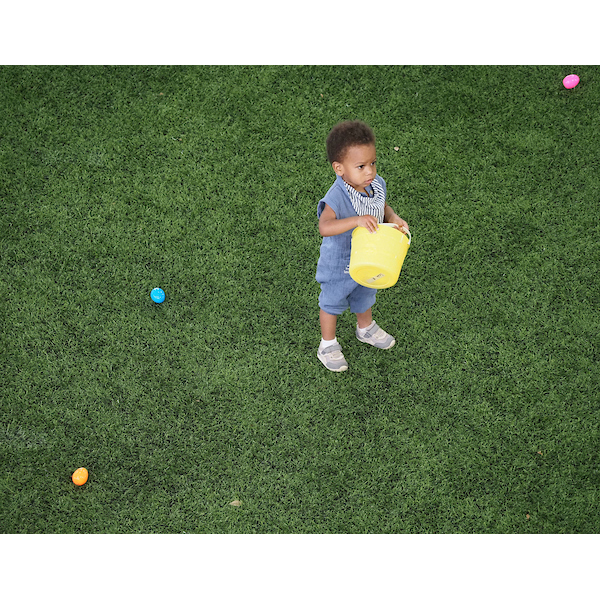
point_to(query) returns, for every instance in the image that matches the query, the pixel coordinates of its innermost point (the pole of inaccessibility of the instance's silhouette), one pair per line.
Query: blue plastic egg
(157, 295)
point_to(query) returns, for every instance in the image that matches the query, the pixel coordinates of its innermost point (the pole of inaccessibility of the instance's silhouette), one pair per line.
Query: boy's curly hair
(345, 135)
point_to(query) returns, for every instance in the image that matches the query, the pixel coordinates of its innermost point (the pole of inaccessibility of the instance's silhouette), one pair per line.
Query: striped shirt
(368, 205)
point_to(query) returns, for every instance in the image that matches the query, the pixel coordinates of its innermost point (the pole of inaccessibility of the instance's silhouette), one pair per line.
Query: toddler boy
(356, 199)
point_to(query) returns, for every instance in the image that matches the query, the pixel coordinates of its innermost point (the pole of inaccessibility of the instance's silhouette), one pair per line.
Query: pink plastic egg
(570, 81)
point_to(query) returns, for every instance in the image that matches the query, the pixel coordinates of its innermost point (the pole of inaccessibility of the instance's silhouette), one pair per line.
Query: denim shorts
(340, 292)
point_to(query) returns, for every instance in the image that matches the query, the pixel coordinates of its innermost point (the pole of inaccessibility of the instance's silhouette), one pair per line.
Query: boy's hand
(368, 222)
(401, 224)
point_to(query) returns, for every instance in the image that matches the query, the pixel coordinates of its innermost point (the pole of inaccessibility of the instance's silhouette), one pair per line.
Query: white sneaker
(332, 358)
(376, 337)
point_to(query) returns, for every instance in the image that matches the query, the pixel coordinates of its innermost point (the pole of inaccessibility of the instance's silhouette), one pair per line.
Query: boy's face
(358, 166)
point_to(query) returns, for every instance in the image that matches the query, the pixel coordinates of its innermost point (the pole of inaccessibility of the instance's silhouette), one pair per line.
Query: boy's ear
(337, 167)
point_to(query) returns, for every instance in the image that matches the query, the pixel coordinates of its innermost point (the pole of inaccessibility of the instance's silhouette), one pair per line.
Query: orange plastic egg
(80, 476)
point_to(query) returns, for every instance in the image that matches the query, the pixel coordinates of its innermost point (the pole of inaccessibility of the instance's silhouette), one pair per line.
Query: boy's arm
(389, 216)
(329, 224)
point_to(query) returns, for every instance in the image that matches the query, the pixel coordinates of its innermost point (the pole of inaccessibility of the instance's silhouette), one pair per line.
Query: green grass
(204, 181)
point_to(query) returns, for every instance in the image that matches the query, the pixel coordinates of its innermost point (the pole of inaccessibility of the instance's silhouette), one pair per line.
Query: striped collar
(368, 205)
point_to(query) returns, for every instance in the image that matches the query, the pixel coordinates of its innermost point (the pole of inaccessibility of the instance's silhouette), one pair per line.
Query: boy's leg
(332, 302)
(328, 325)
(330, 354)
(365, 319)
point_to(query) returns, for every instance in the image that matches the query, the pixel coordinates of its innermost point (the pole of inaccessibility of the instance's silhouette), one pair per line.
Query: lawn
(204, 181)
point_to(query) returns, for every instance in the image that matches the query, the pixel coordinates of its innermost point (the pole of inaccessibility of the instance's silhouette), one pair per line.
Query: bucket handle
(407, 232)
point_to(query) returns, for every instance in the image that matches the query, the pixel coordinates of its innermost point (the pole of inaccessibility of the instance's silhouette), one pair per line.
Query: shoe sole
(378, 347)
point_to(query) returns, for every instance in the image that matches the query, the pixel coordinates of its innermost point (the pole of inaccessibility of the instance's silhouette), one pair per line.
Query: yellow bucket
(376, 258)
